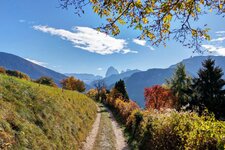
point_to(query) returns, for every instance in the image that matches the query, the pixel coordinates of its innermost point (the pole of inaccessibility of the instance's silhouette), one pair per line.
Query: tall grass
(35, 116)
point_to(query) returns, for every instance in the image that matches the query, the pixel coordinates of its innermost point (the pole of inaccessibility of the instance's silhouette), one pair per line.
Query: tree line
(69, 83)
(200, 94)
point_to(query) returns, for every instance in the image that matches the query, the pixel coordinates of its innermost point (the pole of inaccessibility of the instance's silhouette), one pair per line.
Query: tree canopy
(154, 18)
(74, 84)
(121, 89)
(46, 81)
(179, 84)
(158, 97)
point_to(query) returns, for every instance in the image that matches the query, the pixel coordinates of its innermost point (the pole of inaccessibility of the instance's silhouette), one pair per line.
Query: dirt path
(90, 140)
(106, 133)
(121, 143)
(105, 139)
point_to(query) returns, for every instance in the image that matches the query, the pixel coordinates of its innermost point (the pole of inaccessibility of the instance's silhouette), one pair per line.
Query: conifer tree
(121, 88)
(179, 84)
(208, 89)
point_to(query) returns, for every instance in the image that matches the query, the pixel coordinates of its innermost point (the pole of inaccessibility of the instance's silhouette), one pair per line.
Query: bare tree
(99, 86)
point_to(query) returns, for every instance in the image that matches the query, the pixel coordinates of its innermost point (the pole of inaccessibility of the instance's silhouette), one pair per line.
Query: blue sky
(60, 40)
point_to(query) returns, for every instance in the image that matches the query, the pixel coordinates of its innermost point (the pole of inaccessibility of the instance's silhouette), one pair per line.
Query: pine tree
(121, 88)
(179, 84)
(208, 89)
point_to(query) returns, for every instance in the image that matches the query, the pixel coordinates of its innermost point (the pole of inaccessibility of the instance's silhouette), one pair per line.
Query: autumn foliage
(158, 97)
(74, 84)
(17, 74)
(120, 103)
(2, 70)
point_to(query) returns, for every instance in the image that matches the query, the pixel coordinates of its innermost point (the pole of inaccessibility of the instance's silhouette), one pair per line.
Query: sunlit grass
(40, 117)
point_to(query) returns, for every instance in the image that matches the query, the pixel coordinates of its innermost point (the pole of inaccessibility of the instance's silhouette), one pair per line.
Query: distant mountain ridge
(193, 64)
(13, 62)
(111, 71)
(109, 81)
(113, 78)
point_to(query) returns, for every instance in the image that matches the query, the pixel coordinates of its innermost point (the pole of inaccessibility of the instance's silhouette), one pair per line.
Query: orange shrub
(125, 108)
(159, 98)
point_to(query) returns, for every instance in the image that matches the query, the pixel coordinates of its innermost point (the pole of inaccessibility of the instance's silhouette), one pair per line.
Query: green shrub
(174, 130)
(46, 81)
(17, 74)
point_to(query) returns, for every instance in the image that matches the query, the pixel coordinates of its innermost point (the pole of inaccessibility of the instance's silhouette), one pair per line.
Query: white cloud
(143, 43)
(220, 35)
(219, 50)
(216, 46)
(220, 32)
(37, 62)
(89, 39)
(99, 69)
(140, 42)
(220, 39)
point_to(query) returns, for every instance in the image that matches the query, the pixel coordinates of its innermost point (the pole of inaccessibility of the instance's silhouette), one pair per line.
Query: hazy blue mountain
(87, 78)
(111, 71)
(193, 64)
(13, 62)
(111, 80)
(140, 80)
(114, 78)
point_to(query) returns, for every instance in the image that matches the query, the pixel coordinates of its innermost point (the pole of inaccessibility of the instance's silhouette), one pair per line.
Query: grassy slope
(41, 117)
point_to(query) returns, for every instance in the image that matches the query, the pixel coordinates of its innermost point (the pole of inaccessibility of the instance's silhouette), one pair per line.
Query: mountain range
(110, 80)
(136, 80)
(13, 62)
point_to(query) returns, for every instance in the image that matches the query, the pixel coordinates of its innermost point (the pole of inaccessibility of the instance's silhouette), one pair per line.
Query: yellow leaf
(148, 10)
(198, 9)
(145, 20)
(121, 21)
(138, 3)
(167, 18)
(210, 10)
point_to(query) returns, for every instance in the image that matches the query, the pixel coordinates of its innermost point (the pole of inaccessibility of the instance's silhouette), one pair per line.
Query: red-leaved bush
(158, 97)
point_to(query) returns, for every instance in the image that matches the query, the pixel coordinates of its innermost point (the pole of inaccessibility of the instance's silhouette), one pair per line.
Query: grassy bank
(40, 117)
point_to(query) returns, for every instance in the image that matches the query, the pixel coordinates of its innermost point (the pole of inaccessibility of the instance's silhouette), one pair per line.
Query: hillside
(13, 62)
(39, 117)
